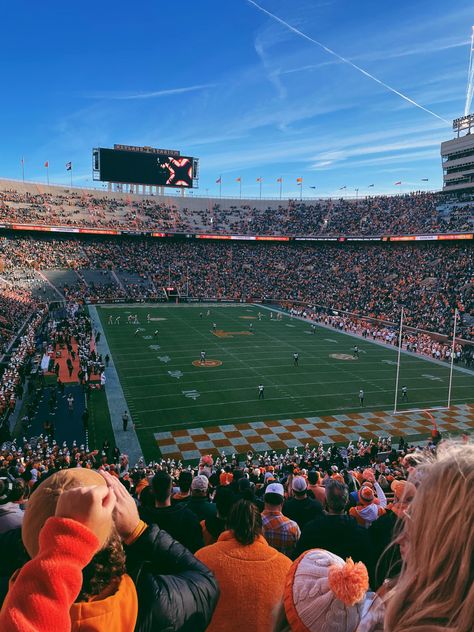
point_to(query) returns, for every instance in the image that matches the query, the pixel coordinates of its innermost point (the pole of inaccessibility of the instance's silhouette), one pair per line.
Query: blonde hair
(435, 590)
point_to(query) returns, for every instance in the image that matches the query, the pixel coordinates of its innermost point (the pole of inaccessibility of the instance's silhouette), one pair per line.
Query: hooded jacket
(170, 590)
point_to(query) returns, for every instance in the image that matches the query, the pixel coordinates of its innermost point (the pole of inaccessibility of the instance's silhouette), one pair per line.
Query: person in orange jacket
(103, 597)
(251, 574)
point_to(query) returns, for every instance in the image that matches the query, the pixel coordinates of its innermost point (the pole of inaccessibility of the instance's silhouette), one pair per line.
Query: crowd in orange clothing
(376, 215)
(363, 519)
(429, 279)
(12, 376)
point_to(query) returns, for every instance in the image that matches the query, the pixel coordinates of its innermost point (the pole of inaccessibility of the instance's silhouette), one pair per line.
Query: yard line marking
(244, 388)
(270, 399)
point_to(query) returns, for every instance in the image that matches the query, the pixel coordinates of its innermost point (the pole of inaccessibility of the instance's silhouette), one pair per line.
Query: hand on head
(126, 516)
(91, 506)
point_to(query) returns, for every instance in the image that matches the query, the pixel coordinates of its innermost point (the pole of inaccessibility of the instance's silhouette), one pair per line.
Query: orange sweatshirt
(43, 591)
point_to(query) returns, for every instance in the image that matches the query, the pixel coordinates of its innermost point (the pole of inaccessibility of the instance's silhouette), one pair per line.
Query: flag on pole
(312, 187)
(344, 187)
(22, 161)
(299, 180)
(219, 180)
(424, 179)
(238, 179)
(69, 166)
(279, 179)
(46, 164)
(371, 185)
(397, 183)
(259, 179)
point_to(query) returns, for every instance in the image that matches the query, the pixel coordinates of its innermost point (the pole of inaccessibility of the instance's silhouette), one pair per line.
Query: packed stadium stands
(190, 547)
(421, 213)
(368, 279)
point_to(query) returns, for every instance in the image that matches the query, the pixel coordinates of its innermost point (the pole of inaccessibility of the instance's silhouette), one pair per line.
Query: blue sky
(220, 80)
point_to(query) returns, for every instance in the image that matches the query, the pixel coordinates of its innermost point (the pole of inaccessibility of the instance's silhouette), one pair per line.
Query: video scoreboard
(126, 164)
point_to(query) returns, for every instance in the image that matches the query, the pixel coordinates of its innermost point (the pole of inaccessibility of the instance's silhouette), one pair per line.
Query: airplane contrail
(346, 61)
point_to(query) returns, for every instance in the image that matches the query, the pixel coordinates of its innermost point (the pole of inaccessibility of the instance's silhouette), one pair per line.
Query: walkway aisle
(127, 441)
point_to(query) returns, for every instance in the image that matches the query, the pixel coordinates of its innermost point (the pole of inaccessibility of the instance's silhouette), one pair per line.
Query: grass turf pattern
(165, 391)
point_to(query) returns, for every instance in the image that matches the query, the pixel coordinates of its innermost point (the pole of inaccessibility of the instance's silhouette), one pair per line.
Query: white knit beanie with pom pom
(325, 594)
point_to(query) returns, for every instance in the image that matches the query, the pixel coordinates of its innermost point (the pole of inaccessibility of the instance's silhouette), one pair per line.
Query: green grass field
(165, 391)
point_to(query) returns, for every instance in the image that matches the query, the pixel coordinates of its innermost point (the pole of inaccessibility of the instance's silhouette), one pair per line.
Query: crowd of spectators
(16, 304)
(436, 347)
(11, 380)
(323, 539)
(378, 215)
(374, 280)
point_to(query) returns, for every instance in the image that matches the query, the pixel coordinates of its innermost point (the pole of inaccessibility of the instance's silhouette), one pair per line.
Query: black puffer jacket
(175, 591)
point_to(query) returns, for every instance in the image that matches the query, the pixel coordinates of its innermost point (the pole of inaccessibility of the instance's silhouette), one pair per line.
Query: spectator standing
(383, 532)
(325, 594)
(314, 485)
(177, 520)
(369, 507)
(104, 597)
(199, 502)
(300, 507)
(278, 530)
(249, 571)
(12, 494)
(184, 493)
(213, 526)
(435, 589)
(335, 531)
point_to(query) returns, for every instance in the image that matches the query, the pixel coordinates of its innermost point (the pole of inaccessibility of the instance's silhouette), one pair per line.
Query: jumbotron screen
(134, 167)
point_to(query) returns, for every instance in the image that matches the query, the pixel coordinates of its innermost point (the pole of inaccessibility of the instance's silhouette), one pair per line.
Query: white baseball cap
(275, 488)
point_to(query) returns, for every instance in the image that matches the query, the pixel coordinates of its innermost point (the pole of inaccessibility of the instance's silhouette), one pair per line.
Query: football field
(169, 391)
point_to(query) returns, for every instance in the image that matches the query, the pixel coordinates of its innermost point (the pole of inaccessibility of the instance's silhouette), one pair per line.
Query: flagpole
(240, 188)
(301, 191)
(281, 186)
(23, 168)
(47, 174)
(260, 188)
(220, 186)
(398, 361)
(71, 174)
(452, 357)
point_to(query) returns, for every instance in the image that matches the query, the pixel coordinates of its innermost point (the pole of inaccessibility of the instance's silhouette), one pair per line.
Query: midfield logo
(220, 333)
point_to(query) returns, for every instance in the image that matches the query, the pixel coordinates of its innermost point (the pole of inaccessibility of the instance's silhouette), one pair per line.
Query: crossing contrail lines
(346, 61)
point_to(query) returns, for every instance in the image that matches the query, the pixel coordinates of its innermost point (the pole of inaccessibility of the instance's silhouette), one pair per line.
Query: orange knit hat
(43, 501)
(366, 495)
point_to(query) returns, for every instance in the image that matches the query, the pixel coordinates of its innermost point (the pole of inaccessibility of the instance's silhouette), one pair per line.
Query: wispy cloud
(345, 60)
(273, 76)
(155, 94)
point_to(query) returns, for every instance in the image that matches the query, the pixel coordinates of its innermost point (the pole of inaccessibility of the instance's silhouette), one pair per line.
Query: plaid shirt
(280, 532)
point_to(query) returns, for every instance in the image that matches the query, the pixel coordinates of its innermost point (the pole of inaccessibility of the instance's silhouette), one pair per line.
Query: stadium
(202, 394)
